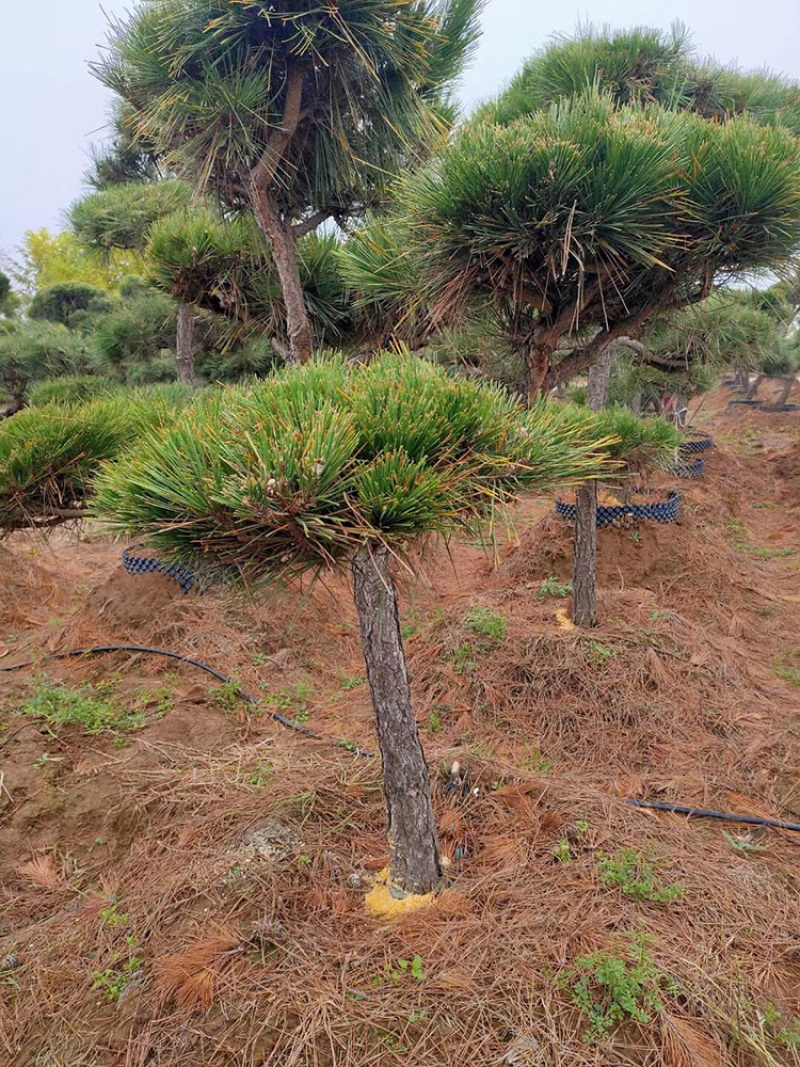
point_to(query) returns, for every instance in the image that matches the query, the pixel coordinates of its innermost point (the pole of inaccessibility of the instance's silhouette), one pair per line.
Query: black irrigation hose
(701, 813)
(281, 719)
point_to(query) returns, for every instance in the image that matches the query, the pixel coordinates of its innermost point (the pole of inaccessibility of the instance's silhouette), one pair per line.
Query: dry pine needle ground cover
(185, 885)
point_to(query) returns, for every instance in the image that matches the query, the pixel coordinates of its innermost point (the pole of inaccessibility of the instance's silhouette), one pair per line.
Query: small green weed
(230, 697)
(600, 653)
(113, 982)
(553, 587)
(610, 989)
(562, 851)
(789, 674)
(636, 877)
(352, 681)
(113, 918)
(295, 701)
(61, 705)
(436, 719)
(463, 661)
(787, 1036)
(414, 968)
(741, 844)
(162, 701)
(533, 761)
(393, 1043)
(737, 529)
(261, 775)
(45, 760)
(636, 537)
(764, 553)
(487, 623)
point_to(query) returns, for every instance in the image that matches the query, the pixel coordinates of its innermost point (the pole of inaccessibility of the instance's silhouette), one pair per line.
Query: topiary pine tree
(336, 465)
(122, 217)
(645, 66)
(579, 224)
(299, 113)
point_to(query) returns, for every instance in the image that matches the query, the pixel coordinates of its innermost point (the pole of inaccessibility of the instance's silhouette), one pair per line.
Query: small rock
(10, 962)
(271, 840)
(525, 1051)
(355, 881)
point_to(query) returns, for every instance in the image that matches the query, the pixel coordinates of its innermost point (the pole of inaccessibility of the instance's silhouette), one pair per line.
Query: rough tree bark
(287, 263)
(279, 230)
(584, 579)
(413, 844)
(788, 385)
(184, 349)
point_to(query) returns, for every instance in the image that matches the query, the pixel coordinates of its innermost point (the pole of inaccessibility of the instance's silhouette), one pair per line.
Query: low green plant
(637, 877)
(351, 681)
(789, 674)
(740, 844)
(487, 623)
(294, 702)
(113, 981)
(788, 1036)
(463, 661)
(600, 653)
(436, 719)
(562, 851)
(230, 697)
(610, 989)
(112, 917)
(261, 775)
(414, 968)
(45, 760)
(758, 552)
(532, 760)
(61, 705)
(554, 587)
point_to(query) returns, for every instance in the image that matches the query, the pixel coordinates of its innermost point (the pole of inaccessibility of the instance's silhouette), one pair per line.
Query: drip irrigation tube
(699, 813)
(97, 650)
(702, 813)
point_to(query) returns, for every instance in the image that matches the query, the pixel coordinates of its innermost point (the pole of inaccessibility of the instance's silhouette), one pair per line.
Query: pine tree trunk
(537, 363)
(751, 392)
(184, 350)
(413, 844)
(788, 385)
(584, 579)
(599, 377)
(287, 264)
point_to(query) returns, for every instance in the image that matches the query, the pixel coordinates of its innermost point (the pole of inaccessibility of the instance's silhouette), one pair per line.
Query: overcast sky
(53, 108)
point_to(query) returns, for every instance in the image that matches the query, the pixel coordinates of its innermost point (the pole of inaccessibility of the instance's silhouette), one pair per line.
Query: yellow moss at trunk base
(382, 904)
(564, 621)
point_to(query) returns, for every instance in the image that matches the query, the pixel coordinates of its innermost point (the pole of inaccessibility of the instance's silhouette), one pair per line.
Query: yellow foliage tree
(49, 259)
